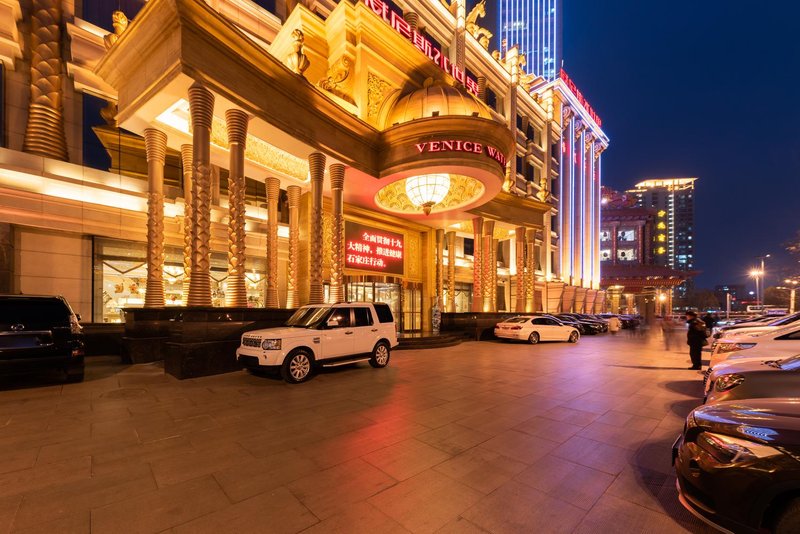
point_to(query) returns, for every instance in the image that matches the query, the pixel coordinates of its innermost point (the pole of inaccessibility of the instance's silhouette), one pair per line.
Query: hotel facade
(220, 154)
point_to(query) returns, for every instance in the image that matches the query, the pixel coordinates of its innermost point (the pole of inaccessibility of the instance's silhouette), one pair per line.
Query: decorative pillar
(579, 215)
(597, 215)
(439, 269)
(488, 267)
(482, 88)
(530, 282)
(273, 195)
(292, 296)
(201, 105)
(336, 172)
(522, 278)
(316, 163)
(477, 265)
(413, 20)
(495, 242)
(451, 271)
(155, 143)
(186, 160)
(44, 134)
(236, 124)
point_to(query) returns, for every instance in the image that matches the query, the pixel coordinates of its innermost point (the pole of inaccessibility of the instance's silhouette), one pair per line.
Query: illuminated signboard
(396, 21)
(370, 249)
(579, 96)
(456, 145)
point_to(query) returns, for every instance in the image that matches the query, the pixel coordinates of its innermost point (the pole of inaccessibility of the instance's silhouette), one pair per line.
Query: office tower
(534, 25)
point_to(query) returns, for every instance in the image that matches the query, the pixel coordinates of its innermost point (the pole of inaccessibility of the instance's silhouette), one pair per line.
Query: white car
(536, 329)
(325, 335)
(757, 328)
(782, 343)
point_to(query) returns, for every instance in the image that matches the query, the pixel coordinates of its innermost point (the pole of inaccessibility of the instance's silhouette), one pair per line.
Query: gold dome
(435, 100)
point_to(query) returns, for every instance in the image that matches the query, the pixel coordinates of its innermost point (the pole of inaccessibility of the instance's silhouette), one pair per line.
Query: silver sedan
(755, 379)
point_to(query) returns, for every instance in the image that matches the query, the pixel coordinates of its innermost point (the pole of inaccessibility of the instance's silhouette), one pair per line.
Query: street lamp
(792, 290)
(755, 273)
(762, 272)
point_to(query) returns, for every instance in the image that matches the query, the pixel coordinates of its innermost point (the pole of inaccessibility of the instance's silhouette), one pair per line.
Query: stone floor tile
(611, 514)
(542, 427)
(426, 502)
(570, 415)
(42, 476)
(520, 446)
(517, 507)
(576, 484)
(140, 453)
(276, 512)
(185, 466)
(629, 421)
(461, 526)
(595, 454)
(360, 518)
(328, 492)
(8, 511)
(481, 469)
(73, 523)
(614, 435)
(453, 438)
(405, 459)
(248, 479)
(162, 509)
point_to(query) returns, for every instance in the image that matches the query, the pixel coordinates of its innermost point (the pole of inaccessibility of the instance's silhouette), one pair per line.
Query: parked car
(783, 342)
(40, 332)
(324, 335)
(754, 379)
(590, 323)
(534, 329)
(759, 326)
(737, 465)
(571, 321)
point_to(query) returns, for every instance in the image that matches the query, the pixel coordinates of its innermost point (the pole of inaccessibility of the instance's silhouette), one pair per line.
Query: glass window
(605, 255)
(363, 316)
(627, 234)
(627, 254)
(384, 313)
(339, 318)
(605, 235)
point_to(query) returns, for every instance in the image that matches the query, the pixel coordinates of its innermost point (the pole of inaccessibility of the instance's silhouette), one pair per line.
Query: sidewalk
(480, 437)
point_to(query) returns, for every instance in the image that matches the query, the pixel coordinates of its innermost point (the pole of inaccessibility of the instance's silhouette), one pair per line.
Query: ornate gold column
(201, 105)
(336, 172)
(292, 297)
(439, 268)
(522, 279)
(477, 265)
(495, 242)
(186, 160)
(486, 270)
(451, 271)
(44, 134)
(273, 195)
(530, 276)
(236, 124)
(155, 144)
(316, 163)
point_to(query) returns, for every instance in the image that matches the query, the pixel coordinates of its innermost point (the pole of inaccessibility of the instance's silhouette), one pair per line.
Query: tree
(776, 297)
(702, 299)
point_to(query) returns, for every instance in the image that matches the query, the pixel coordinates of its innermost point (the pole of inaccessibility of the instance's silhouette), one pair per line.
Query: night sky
(706, 89)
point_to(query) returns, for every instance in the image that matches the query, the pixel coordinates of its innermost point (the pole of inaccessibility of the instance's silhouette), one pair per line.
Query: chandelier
(427, 190)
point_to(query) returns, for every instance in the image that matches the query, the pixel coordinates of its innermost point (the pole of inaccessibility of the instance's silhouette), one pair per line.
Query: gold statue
(297, 61)
(120, 23)
(481, 34)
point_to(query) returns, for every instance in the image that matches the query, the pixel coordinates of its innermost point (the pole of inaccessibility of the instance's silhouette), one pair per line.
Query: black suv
(39, 332)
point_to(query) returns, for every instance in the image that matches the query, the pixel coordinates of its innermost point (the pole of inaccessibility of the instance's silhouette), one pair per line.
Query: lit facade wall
(536, 27)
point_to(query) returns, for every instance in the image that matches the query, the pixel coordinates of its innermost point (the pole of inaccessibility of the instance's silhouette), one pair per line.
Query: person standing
(614, 324)
(667, 327)
(709, 321)
(696, 339)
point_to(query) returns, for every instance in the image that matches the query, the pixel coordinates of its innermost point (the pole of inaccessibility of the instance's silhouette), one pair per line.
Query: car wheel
(573, 337)
(297, 367)
(380, 355)
(533, 339)
(789, 520)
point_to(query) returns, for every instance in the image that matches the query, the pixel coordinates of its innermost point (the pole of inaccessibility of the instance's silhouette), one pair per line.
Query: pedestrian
(709, 321)
(696, 339)
(614, 324)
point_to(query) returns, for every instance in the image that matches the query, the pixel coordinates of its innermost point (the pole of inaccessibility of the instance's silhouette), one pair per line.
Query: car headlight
(733, 347)
(726, 382)
(271, 344)
(729, 450)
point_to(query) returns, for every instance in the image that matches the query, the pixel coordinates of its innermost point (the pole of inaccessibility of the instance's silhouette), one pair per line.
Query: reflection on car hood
(282, 332)
(774, 421)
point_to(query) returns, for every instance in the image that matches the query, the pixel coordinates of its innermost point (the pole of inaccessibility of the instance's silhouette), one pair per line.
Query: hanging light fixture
(427, 190)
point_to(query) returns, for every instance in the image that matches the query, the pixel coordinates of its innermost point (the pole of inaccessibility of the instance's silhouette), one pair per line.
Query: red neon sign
(396, 21)
(579, 96)
(456, 145)
(370, 249)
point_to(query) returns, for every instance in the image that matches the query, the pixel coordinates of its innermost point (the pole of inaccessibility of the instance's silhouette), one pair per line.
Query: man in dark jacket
(695, 338)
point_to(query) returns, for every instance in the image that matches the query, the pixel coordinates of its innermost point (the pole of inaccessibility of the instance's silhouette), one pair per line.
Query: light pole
(792, 283)
(761, 273)
(755, 273)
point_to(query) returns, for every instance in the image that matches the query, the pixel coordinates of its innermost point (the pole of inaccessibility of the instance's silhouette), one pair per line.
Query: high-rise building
(673, 200)
(536, 27)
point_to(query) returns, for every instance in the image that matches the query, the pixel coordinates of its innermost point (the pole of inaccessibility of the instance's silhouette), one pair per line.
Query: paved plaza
(481, 437)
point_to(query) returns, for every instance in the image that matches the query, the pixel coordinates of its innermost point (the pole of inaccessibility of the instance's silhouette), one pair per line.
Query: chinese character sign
(370, 249)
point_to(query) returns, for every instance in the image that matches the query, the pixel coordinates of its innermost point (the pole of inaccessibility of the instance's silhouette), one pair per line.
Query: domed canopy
(435, 100)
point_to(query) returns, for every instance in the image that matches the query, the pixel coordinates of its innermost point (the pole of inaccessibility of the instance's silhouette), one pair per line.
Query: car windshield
(785, 320)
(308, 317)
(33, 313)
(790, 364)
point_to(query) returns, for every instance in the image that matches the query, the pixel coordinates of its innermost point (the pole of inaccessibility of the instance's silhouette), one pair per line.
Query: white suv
(322, 334)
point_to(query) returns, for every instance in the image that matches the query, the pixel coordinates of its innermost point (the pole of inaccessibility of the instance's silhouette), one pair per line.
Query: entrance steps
(428, 340)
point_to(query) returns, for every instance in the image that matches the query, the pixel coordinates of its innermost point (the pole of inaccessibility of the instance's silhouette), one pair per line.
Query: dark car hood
(772, 421)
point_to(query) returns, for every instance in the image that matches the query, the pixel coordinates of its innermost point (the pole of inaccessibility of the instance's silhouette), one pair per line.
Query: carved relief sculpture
(155, 142)
(236, 292)
(316, 162)
(120, 23)
(273, 195)
(337, 75)
(44, 134)
(186, 160)
(337, 241)
(297, 61)
(293, 194)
